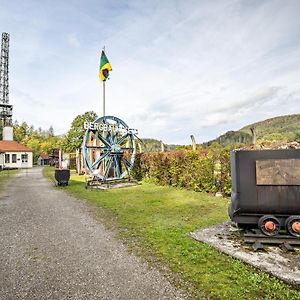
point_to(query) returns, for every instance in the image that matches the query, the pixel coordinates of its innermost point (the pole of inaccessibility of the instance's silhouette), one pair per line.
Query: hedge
(201, 171)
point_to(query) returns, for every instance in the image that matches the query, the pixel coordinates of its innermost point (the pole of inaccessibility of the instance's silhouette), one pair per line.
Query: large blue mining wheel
(109, 148)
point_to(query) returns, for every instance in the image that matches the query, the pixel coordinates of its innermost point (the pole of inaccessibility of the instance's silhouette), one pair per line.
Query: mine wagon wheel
(269, 225)
(292, 225)
(109, 148)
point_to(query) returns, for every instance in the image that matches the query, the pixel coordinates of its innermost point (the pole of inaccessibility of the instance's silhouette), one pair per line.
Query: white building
(14, 155)
(43, 160)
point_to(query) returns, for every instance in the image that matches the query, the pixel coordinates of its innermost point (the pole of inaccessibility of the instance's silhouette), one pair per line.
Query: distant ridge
(283, 125)
(153, 145)
(281, 128)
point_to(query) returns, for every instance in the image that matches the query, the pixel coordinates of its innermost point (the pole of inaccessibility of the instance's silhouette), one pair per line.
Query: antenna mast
(5, 107)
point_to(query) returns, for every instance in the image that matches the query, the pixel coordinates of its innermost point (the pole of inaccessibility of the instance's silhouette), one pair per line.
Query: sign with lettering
(109, 127)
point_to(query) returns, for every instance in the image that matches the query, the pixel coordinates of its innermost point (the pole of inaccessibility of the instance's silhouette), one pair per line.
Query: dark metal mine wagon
(266, 190)
(62, 176)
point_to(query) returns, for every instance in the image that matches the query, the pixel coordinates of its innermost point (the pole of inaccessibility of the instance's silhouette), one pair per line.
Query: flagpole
(103, 98)
(103, 89)
(105, 67)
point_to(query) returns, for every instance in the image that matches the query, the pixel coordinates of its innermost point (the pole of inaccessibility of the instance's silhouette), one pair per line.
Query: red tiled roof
(44, 156)
(13, 146)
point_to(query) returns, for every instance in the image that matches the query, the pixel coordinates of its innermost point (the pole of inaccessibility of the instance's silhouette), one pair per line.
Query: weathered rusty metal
(265, 182)
(270, 226)
(278, 172)
(292, 225)
(296, 227)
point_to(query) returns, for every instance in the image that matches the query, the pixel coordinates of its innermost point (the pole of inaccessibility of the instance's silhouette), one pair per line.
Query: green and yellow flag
(105, 67)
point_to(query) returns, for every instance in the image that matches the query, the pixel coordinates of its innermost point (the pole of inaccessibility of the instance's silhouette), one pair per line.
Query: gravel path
(52, 248)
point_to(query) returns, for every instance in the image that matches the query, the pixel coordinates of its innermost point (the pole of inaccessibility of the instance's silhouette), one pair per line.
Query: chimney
(8, 133)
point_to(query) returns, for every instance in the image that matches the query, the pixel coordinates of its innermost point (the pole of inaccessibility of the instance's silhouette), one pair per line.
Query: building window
(7, 158)
(14, 158)
(24, 158)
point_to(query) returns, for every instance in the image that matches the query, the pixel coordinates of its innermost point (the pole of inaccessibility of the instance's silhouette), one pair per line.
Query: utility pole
(253, 132)
(193, 142)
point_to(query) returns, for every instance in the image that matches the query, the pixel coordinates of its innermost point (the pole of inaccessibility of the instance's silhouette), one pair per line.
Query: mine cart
(62, 176)
(266, 190)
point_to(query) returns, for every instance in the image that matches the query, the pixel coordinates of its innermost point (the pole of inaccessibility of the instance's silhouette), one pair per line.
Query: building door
(24, 160)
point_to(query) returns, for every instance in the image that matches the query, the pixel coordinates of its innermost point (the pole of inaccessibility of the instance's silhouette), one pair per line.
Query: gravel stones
(52, 248)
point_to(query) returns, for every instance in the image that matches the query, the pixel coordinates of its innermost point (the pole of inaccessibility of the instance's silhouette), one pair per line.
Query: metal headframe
(5, 107)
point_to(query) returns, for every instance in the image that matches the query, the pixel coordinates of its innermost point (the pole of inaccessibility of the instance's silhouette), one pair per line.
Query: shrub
(193, 170)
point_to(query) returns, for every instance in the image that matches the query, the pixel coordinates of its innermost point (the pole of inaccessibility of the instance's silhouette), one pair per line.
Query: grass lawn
(154, 222)
(5, 175)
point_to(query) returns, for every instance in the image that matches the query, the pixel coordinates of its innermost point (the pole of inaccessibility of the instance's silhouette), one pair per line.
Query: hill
(282, 128)
(153, 145)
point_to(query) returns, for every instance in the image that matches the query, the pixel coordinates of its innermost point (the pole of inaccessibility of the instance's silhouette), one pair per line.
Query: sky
(179, 67)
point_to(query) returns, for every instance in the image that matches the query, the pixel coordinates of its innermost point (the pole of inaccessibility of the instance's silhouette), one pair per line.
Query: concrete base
(229, 239)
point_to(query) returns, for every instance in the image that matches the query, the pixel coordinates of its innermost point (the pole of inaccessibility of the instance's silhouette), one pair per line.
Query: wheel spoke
(103, 140)
(128, 164)
(122, 139)
(108, 135)
(97, 161)
(117, 165)
(114, 138)
(107, 168)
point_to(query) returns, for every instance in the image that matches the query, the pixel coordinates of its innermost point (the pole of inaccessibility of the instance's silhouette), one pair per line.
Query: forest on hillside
(278, 129)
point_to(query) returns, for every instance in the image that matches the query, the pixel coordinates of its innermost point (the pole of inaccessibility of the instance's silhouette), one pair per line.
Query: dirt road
(52, 248)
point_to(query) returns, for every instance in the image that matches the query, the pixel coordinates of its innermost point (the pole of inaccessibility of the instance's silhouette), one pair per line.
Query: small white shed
(43, 160)
(14, 155)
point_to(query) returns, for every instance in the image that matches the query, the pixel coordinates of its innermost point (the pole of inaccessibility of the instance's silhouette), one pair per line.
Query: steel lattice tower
(5, 107)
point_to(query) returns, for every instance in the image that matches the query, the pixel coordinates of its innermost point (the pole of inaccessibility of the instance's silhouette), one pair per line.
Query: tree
(39, 141)
(49, 144)
(21, 132)
(51, 131)
(74, 137)
(35, 145)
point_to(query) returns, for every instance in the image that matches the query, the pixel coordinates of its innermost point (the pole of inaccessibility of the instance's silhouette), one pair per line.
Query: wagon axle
(296, 227)
(292, 225)
(269, 225)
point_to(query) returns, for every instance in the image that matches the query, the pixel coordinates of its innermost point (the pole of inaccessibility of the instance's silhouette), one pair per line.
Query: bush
(193, 170)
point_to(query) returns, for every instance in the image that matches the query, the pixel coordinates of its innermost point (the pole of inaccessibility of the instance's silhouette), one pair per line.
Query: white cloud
(73, 40)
